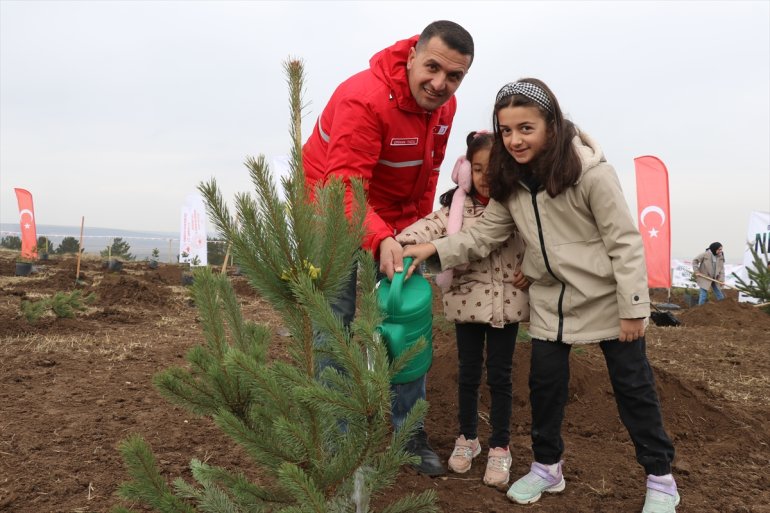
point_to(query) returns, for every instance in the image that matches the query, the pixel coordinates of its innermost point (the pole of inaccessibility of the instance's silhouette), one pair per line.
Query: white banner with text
(192, 232)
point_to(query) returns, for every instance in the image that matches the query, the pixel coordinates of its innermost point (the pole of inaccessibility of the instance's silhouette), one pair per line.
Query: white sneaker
(662, 496)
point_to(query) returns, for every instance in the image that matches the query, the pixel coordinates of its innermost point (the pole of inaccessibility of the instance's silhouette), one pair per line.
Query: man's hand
(631, 329)
(391, 257)
(420, 253)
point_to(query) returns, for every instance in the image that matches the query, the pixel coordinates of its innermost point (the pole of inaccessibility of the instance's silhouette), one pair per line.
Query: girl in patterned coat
(486, 303)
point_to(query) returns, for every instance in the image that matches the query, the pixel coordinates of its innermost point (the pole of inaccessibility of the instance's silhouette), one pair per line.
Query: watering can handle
(394, 295)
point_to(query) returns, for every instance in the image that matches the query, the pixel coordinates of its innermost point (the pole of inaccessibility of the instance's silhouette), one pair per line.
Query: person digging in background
(709, 270)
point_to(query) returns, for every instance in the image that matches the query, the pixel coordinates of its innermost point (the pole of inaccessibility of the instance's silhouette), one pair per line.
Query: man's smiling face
(435, 71)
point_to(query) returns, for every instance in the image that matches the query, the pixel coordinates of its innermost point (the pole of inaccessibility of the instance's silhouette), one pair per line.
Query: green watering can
(408, 310)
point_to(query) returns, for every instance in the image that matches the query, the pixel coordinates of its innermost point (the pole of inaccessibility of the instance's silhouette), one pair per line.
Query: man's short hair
(452, 34)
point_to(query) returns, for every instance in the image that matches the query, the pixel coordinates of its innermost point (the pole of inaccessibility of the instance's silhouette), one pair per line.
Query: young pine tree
(68, 245)
(118, 249)
(758, 284)
(323, 441)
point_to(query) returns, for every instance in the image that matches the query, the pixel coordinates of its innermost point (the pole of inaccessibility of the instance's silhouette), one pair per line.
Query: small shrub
(118, 249)
(62, 304)
(758, 284)
(217, 251)
(68, 245)
(43, 244)
(11, 242)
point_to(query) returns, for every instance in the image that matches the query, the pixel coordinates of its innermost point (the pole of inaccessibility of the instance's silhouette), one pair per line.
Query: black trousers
(500, 344)
(635, 395)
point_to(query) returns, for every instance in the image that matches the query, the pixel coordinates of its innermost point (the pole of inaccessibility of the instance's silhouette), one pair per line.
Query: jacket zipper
(548, 265)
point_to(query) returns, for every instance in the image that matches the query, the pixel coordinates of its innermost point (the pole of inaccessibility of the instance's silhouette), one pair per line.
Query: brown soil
(71, 389)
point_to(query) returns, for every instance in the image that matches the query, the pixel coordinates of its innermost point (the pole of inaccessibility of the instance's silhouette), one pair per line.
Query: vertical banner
(654, 219)
(27, 224)
(758, 238)
(192, 231)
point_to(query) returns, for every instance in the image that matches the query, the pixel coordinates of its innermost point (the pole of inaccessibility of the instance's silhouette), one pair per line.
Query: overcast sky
(117, 110)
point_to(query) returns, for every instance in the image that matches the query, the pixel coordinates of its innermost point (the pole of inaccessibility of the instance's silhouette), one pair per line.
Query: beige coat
(586, 265)
(483, 292)
(702, 264)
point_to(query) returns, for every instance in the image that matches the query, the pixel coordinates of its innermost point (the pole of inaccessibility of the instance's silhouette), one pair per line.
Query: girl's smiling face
(479, 166)
(524, 132)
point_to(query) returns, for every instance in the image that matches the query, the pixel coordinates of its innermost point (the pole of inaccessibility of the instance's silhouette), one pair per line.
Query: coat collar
(389, 65)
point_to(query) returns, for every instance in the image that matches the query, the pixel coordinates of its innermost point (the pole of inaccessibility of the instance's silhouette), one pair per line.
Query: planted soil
(72, 389)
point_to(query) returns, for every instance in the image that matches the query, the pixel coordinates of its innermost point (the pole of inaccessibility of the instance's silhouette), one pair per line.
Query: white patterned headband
(531, 91)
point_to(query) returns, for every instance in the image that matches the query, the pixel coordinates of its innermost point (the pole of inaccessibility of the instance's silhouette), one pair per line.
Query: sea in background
(96, 240)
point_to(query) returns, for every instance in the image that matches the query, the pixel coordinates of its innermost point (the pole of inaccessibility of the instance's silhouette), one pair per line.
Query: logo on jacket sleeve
(440, 129)
(405, 141)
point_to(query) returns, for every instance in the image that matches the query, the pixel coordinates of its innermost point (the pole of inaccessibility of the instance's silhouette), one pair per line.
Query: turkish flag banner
(654, 219)
(27, 223)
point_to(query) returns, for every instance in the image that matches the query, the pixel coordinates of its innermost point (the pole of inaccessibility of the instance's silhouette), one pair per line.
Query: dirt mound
(124, 290)
(728, 312)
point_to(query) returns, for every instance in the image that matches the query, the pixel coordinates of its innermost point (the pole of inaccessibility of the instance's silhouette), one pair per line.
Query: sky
(116, 111)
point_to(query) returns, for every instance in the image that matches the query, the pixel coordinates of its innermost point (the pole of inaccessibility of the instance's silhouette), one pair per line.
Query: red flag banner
(27, 223)
(654, 218)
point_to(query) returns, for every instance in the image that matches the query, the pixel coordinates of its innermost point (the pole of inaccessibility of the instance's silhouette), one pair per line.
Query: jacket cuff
(635, 306)
(374, 243)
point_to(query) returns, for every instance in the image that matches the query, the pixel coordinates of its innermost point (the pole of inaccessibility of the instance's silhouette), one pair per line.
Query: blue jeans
(405, 395)
(704, 294)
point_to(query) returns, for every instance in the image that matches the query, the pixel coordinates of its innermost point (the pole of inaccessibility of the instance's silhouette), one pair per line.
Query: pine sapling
(62, 304)
(321, 439)
(758, 283)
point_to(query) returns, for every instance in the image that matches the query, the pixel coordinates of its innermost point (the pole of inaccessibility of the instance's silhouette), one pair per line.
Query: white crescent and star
(31, 217)
(656, 209)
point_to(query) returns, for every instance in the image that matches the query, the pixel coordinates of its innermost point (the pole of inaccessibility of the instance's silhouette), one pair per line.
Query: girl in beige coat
(585, 260)
(484, 303)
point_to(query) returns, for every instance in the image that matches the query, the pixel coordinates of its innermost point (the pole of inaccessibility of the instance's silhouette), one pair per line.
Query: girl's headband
(531, 91)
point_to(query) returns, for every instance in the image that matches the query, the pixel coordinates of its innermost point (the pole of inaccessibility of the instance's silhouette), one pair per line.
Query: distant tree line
(67, 245)
(119, 248)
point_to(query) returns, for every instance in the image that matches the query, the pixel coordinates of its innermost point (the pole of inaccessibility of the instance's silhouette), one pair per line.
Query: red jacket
(372, 128)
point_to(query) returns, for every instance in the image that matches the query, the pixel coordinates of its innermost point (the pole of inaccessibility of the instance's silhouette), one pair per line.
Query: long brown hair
(556, 168)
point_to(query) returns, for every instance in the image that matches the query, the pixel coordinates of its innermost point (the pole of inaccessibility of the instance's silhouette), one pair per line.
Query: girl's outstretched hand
(420, 253)
(631, 329)
(520, 281)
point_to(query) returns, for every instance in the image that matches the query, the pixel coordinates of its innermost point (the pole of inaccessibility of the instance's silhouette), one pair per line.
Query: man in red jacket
(389, 125)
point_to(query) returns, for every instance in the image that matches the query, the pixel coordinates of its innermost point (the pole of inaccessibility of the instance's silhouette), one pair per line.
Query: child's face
(479, 166)
(524, 132)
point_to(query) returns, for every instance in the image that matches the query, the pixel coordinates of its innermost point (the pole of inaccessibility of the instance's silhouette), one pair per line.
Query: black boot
(430, 464)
